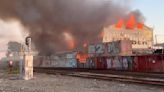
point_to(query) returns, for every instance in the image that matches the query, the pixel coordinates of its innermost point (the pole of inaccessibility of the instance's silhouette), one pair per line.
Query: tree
(13, 48)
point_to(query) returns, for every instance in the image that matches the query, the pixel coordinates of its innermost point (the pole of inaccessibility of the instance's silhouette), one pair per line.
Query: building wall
(141, 38)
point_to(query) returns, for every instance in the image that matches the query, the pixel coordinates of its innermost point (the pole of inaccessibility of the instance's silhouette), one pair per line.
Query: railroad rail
(122, 76)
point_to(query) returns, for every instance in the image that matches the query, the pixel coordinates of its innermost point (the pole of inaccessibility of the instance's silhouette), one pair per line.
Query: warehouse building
(140, 34)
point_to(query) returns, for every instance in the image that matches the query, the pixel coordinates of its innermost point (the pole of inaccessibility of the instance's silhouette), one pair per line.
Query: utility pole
(156, 42)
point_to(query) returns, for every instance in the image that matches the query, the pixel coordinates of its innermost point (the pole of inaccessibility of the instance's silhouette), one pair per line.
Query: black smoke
(46, 20)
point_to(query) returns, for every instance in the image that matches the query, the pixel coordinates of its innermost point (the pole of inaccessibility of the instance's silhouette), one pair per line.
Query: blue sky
(153, 10)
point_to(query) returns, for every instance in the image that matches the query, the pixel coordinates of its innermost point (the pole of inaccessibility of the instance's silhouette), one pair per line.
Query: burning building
(140, 34)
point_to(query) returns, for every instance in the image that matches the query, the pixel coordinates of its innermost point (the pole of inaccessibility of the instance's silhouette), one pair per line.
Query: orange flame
(82, 57)
(140, 25)
(119, 24)
(131, 22)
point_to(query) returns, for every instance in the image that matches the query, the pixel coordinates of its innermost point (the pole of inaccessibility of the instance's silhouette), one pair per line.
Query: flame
(140, 25)
(81, 57)
(119, 24)
(130, 24)
(69, 40)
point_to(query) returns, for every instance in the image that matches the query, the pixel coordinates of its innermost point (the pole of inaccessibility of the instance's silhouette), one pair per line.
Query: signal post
(26, 64)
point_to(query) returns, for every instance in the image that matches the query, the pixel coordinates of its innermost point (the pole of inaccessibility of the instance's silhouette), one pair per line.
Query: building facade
(142, 38)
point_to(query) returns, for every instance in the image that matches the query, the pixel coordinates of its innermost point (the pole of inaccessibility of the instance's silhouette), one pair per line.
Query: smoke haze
(48, 21)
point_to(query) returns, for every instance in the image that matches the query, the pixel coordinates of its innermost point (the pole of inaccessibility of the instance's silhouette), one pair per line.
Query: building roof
(145, 27)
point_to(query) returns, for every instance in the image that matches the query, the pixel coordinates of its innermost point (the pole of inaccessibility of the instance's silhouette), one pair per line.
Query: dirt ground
(58, 83)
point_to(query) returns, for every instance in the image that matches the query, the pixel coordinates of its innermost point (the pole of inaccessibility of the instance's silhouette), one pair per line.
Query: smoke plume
(49, 21)
(139, 17)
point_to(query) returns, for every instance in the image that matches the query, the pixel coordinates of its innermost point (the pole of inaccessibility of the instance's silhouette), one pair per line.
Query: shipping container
(126, 48)
(65, 60)
(130, 63)
(80, 65)
(113, 48)
(91, 63)
(96, 48)
(156, 63)
(122, 48)
(149, 63)
(120, 63)
(87, 64)
(72, 63)
(109, 63)
(139, 63)
(125, 64)
(117, 63)
(100, 63)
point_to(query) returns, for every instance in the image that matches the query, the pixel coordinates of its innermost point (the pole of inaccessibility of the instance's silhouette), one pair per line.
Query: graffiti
(113, 48)
(98, 48)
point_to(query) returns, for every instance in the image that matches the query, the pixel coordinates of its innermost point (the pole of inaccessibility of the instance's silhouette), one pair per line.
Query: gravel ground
(58, 83)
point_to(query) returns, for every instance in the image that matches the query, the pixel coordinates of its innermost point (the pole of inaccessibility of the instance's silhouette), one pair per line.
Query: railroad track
(141, 78)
